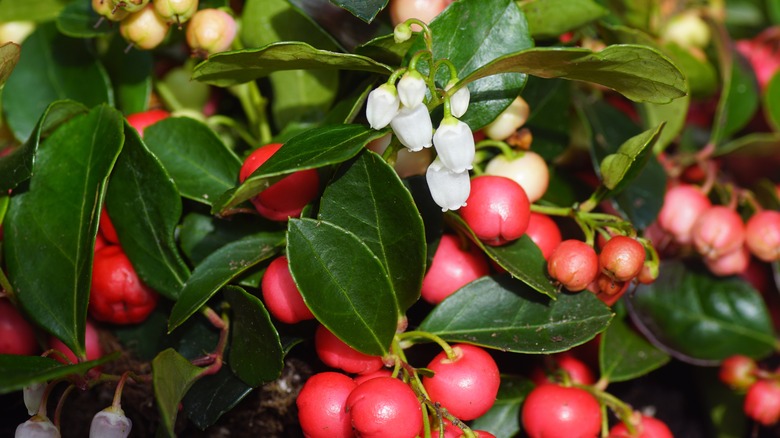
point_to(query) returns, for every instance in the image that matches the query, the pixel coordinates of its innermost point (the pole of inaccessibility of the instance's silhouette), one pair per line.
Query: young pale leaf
(55, 221)
(314, 148)
(370, 201)
(219, 269)
(366, 10)
(255, 350)
(343, 283)
(620, 168)
(212, 396)
(626, 355)
(231, 68)
(172, 377)
(700, 318)
(16, 371)
(550, 18)
(502, 313)
(9, 56)
(198, 161)
(145, 209)
(503, 419)
(79, 20)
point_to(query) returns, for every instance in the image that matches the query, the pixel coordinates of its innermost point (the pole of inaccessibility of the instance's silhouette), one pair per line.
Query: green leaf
(521, 258)
(172, 377)
(550, 18)
(384, 49)
(79, 20)
(771, 102)
(501, 313)
(550, 119)
(366, 10)
(343, 283)
(625, 355)
(219, 269)
(636, 13)
(620, 168)
(698, 317)
(671, 115)
(212, 396)
(701, 74)
(503, 419)
(739, 98)
(200, 235)
(25, 10)
(756, 144)
(370, 201)
(52, 67)
(314, 148)
(9, 57)
(640, 73)
(70, 172)
(16, 371)
(199, 163)
(131, 76)
(255, 350)
(236, 67)
(18, 165)
(145, 209)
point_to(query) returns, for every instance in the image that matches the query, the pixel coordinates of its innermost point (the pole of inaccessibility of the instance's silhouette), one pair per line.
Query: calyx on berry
(176, 11)
(117, 295)
(322, 406)
(622, 258)
(718, 231)
(384, 407)
(497, 210)
(106, 9)
(452, 268)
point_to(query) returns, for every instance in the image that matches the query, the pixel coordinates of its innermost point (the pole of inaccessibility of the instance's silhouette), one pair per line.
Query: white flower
(454, 144)
(459, 102)
(413, 127)
(382, 106)
(110, 423)
(37, 427)
(411, 89)
(32, 395)
(449, 189)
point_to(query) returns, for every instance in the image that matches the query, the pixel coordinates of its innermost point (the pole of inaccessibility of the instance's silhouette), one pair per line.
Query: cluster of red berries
(762, 388)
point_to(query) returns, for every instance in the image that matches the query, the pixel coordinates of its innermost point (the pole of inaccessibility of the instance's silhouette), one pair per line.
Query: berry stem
(430, 336)
(60, 405)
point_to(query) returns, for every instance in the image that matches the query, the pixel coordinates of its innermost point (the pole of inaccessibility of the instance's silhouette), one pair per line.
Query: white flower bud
(110, 423)
(32, 396)
(382, 106)
(402, 32)
(411, 89)
(37, 427)
(459, 102)
(449, 189)
(413, 127)
(454, 144)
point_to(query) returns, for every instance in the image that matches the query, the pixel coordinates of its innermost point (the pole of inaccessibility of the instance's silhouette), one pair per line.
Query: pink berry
(574, 264)
(384, 407)
(333, 352)
(607, 289)
(681, 208)
(17, 336)
(733, 263)
(91, 341)
(210, 31)
(141, 121)
(648, 427)
(544, 232)
(762, 235)
(718, 231)
(452, 268)
(281, 295)
(762, 402)
(322, 406)
(425, 11)
(554, 411)
(497, 209)
(144, 29)
(622, 258)
(577, 370)
(738, 371)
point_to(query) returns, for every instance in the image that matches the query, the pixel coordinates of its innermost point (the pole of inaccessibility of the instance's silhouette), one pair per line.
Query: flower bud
(382, 106)
(448, 189)
(211, 31)
(459, 102)
(411, 89)
(402, 33)
(454, 143)
(37, 427)
(177, 11)
(144, 29)
(110, 423)
(32, 395)
(413, 127)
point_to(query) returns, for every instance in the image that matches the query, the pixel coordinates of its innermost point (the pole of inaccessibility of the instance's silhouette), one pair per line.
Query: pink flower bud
(413, 127)
(382, 106)
(448, 189)
(110, 423)
(454, 143)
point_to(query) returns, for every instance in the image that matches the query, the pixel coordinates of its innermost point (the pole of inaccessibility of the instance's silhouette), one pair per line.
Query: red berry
(322, 406)
(118, 296)
(107, 227)
(402, 10)
(287, 197)
(576, 369)
(738, 371)
(574, 264)
(734, 263)
(384, 372)
(333, 352)
(384, 407)
(497, 209)
(608, 290)
(762, 235)
(648, 427)
(681, 208)
(91, 343)
(452, 268)
(762, 402)
(140, 121)
(544, 232)
(622, 258)
(718, 231)
(281, 295)
(17, 336)
(554, 411)
(466, 385)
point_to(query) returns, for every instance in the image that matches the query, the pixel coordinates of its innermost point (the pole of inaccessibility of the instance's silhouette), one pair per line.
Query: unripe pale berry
(718, 231)
(384, 407)
(544, 232)
(688, 30)
(497, 209)
(144, 29)
(130, 5)
(647, 427)
(509, 121)
(681, 208)
(554, 411)
(105, 8)
(117, 295)
(176, 11)
(762, 235)
(211, 31)
(17, 336)
(738, 371)
(322, 406)
(281, 295)
(762, 402)
(622, 258)
(574, 264)
(333, 352)
(529, 170)
(452, 268)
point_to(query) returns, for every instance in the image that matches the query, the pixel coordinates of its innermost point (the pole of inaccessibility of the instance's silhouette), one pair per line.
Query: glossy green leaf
(17, 166)
(347, 109)
(701, 74)
(79, 20)
(199, 163)
(503, 419)
(366, 10)
(521, 258)
(219, 269)
(16, 371)
(640, 73)
(52, 67)
(698, 317)
(502, 313)
(672, 115)
(131, 76)
(620, 168)
(172, 377)
(230, 68)
(212, 396)
(145, 209)
(384, 49)
(739, 99)
(70, 173)
(624, 354)
(314, 148)
(370, 201)
(25, 10)
(755, 144)
(343, 283)
(771, 102)
(550, 119)
(255, 350)
(9, 56)
(200, 235)
(550, 18)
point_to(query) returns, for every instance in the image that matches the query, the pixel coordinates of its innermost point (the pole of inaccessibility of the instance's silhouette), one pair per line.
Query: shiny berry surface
(384, 407)
(574, 264)
(117, 294)
(497, 209)
(554, 411)
(281, 295)
(333, 352)
(17, 336)
(452, 268)
(322, 406)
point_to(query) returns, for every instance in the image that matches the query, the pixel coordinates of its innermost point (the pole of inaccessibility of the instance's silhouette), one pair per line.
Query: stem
(506, 150)
(117, 402)
(60, 405)
(223, 325)
(552, 211)
(5, 285)
(243, 132)
(430, 336)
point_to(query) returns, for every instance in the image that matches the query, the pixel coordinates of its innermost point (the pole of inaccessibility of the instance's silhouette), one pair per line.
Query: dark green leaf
(199, 163)
(25, 10)
(370, 201)
(501, 313)
(550, 120)
(384, 49)
(148, 338)
(755, 144)
(9, 56)
(636, 13)
(771, 101)
(550, 18)
(620, 168)
(625, 355)
(347, 109)
(145, 209)
(16, 371)
(172, 377)
(201, 235)
(640, 73)
(79, 20)
(212, 396)
(230, 68)
(131, 76)
(343, 283)
(219, 269)
(739, 98)
(698, 317)
(52, 67)
(366, 10)
(255, 350)
(314, 148)
(70, 172)
(701, 74)
(503, 419)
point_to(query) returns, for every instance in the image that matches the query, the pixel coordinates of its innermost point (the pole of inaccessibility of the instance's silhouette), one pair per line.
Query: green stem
(430, 336)
(6, 286)
(243, 132)
(551, 210)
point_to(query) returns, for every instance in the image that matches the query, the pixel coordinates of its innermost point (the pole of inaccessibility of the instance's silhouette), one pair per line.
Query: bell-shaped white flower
(110, 423)
(411, 89)
(413, 127)
(454, 144)
(449, 189)
(37, 427)
(459, 102)
(32, 395)
(382, 106)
